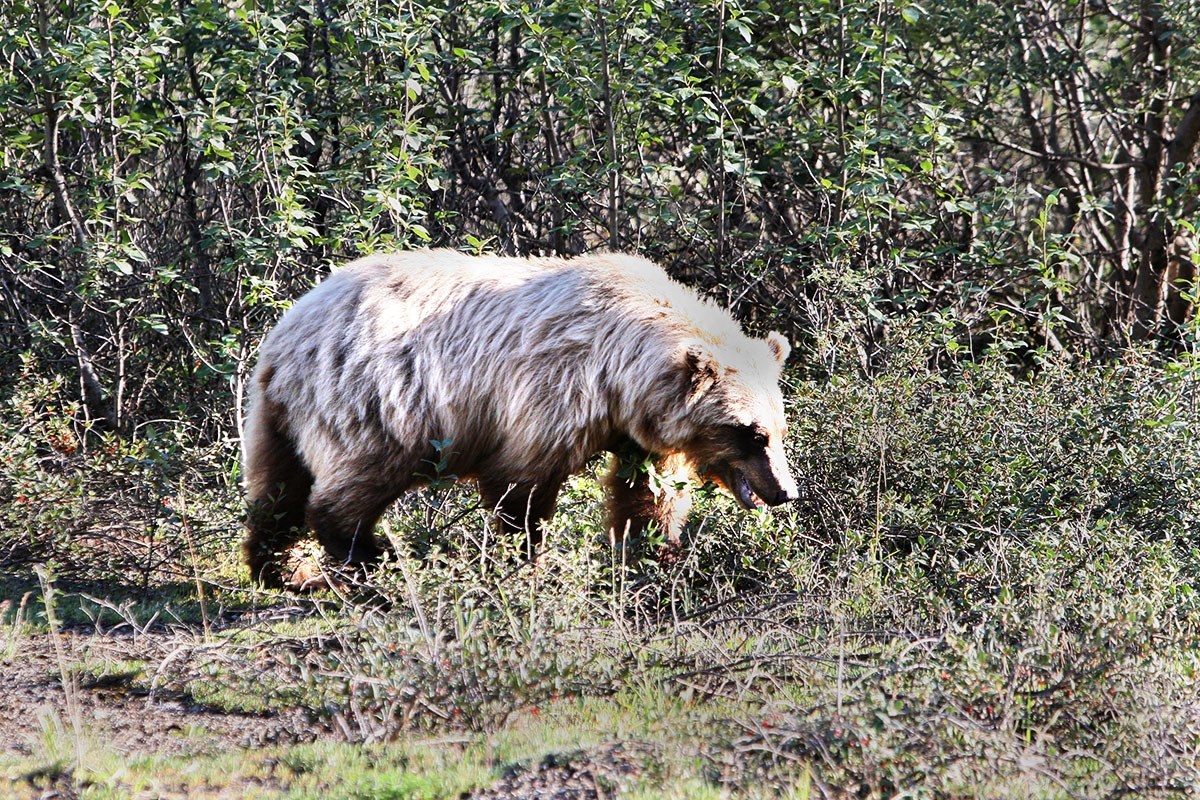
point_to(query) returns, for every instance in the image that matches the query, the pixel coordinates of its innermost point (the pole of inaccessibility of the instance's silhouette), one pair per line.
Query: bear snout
(785, 496)
(788, 491)
(760, 481)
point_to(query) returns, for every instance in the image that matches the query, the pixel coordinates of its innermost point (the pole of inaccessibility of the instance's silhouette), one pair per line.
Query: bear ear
(780, 347)
(700, 369)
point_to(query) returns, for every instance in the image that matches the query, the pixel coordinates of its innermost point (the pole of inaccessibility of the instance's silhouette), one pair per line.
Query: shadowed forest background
(976, 220)
(174, 173)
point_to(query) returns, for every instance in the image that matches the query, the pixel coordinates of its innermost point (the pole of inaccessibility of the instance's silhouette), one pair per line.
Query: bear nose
(786, 496)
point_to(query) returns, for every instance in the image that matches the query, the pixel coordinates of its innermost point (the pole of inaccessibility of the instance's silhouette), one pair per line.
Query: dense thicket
(172, 173)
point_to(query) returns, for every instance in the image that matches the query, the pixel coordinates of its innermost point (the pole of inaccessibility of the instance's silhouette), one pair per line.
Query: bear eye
(749, 436)
(752, 435)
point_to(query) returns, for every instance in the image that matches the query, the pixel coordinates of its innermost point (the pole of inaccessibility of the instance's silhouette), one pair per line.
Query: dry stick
(610, 125)
(91, 389)
(1150, 289)
(840, 111)
(187, 535)
(718, 68)
(70, 684)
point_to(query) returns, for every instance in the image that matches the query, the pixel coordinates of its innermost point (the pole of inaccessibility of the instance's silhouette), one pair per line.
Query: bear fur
(520, 370)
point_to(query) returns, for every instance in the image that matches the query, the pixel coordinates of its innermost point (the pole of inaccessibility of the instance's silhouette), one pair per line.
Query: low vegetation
(989, 590)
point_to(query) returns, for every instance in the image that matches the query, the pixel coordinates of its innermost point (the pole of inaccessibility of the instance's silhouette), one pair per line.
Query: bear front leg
(521, 507)
(641, 499)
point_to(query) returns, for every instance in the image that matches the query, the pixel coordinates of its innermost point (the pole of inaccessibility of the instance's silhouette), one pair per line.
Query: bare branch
(1187, 132)
(1108, 166)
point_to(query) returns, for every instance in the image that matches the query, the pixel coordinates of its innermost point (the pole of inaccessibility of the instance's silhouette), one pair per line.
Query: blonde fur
(523, 368)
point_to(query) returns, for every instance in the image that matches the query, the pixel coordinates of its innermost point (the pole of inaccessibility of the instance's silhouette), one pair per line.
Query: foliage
(175, 173)
(143, 507)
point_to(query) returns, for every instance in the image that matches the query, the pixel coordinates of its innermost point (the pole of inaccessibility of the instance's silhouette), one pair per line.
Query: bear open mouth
(740, 486)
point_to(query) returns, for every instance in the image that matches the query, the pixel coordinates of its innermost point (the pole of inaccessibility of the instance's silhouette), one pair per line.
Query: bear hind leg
(278, 486)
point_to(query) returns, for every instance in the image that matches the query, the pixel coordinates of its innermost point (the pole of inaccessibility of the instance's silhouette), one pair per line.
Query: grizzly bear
(398, 369)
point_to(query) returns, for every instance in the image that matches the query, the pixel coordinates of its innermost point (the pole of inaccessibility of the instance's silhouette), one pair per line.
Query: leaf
(742, 28)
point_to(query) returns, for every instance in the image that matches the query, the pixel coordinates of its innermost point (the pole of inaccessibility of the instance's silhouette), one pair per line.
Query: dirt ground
(163, 722)
(129, 721)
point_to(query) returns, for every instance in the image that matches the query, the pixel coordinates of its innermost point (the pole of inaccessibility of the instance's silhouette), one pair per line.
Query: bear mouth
(740, 487)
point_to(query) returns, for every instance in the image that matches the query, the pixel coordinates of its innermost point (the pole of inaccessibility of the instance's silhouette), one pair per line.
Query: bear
(403, 368)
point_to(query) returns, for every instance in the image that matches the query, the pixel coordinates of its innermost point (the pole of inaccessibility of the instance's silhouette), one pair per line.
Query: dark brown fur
(640, 502)
(277, 522)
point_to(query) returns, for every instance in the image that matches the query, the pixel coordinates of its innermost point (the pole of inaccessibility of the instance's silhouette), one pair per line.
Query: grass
(990, 592)
(15, 625)
(326, 770)
(416, 767)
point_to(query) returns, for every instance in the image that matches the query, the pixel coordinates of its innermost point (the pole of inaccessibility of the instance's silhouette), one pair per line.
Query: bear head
(731, 424)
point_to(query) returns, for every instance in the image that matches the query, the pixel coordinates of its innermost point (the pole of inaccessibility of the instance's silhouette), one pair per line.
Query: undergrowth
(989, 589)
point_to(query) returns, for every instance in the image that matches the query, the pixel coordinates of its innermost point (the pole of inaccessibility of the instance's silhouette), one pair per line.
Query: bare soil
(133, 720)
(597, 774)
